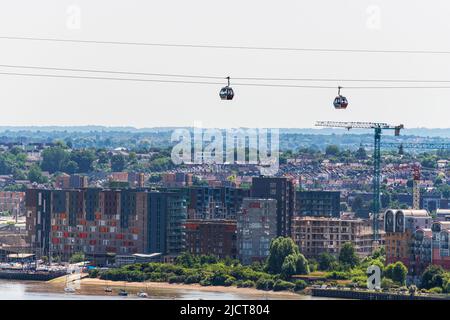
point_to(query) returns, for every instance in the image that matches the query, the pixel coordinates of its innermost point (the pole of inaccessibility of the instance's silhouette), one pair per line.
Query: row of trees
(61, 159)
(276, 273)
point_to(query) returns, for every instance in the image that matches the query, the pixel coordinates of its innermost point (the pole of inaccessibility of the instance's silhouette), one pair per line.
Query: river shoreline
(94, 289)
(101, 284)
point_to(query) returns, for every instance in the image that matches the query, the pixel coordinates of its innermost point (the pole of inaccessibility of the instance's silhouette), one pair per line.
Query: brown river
(36, 290)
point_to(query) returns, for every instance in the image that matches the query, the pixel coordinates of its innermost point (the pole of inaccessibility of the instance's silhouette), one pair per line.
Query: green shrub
(94, 273)
(339, 275)
(300, 285)
(245, 284)
(218, 278)
(264, 284)
(229, 281)
(192, 279)
(437, 290)
(281, 285)
(387, 283)
(156, 277)
(360, 281)
(205, 282)
(447, 287)
(176, 279)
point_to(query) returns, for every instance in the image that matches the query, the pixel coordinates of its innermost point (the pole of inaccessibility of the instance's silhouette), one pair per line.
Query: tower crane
(378, 128)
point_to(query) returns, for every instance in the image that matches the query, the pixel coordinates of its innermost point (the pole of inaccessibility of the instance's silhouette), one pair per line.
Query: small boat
(142, 294)
(108, 289)
(69, 290)
(123, 293)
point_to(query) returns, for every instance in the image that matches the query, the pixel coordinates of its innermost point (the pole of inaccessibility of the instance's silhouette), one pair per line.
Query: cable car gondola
(340, 102)
(227, 93)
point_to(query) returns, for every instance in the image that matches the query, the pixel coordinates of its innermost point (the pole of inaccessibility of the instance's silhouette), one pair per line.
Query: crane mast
(378, 128)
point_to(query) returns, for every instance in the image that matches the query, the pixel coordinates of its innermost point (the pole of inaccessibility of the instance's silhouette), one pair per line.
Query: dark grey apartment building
(318, 203)
(281, 189)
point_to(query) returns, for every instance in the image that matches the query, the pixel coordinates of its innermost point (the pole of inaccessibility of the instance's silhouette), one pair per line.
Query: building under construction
(315, 235)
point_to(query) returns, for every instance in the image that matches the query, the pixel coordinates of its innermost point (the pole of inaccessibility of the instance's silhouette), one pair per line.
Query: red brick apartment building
(104, 223)
(216, 237)
(12, 202)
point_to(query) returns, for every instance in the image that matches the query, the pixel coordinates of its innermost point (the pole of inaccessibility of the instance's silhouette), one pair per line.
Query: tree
(84, 160)
(428, 163)
(361, 153)
(358, 204)
(289, 266)
(118, 162)
(379, 253)
(396, 272)
(438, 181)
(77, 257)
(432, 277)
(54, 159)
(445, 190)
(401, 151)
(102, 157)
(385, 199)
(347, 255)
(280, 248)
(332, 150)
(161, 164)
(302, 265)
(71, 167)
(410, 183)
(11, 163)
(35, 175)
(132, 158)
(186, 260)
(399, 273)
(326, 261)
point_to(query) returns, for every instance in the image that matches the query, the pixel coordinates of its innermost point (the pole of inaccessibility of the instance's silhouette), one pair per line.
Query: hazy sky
(357, 24)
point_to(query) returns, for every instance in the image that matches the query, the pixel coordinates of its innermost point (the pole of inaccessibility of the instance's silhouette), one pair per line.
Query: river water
(36, 290)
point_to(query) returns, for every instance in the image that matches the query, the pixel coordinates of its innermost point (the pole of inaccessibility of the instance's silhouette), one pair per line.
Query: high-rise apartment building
(281, 189)
(211, 237)
(102, 223)
(215, 202)
(256, 227)
(318, 203)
